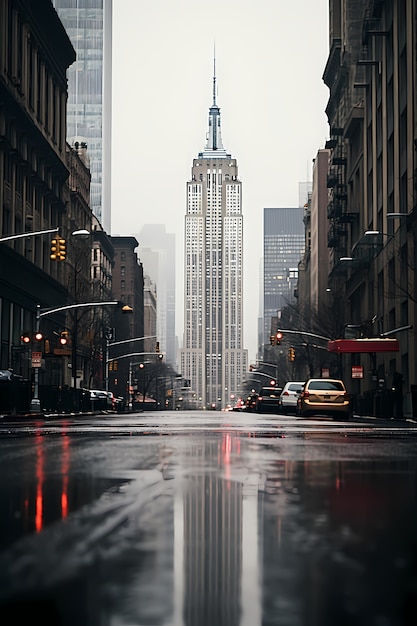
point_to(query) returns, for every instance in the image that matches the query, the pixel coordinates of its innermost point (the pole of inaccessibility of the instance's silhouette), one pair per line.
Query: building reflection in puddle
(287, 541)
(216, 547)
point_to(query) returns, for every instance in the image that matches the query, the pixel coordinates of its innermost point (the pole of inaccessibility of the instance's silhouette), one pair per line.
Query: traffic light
(272, 340)
(63, 337)
(157, 347)
(38, 336)
(291, 354)
(278, 338)
(25, 337)
(58, 248)
(62, 248)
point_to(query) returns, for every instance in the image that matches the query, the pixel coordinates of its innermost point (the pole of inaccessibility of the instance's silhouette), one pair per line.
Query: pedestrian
(397, 390)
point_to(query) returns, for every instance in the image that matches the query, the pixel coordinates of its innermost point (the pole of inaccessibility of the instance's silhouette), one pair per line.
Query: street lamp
(35, 404)
(141, 365)
(31, 234)
(82, 233)
(125, 309)
(394, 215)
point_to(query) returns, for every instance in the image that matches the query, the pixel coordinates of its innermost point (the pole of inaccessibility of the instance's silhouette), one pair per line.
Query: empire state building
(213, 358)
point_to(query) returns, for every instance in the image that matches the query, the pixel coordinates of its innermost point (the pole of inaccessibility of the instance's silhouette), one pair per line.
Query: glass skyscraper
(284, 243)
(89, 26)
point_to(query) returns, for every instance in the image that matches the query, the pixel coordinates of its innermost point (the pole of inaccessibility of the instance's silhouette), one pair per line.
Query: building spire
(214, 145)
(214, 76)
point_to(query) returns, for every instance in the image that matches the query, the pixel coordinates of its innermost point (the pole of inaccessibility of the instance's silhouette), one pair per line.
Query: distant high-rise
(89, 27)
(213, 358)
(283, 248)
(157, 253)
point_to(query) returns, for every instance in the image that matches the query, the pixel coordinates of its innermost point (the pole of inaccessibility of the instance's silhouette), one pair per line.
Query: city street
(208, 519)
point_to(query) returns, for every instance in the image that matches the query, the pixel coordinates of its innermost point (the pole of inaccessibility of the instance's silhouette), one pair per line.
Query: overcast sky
(270, 58)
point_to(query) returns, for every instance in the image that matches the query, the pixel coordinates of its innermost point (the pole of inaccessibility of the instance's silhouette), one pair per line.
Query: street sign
(36, 359)
(62, 351)
(357, 371)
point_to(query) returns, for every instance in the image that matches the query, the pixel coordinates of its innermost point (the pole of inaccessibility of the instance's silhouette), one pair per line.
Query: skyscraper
(157, 253)
(89, 27)
(283, 248)
(212, 357)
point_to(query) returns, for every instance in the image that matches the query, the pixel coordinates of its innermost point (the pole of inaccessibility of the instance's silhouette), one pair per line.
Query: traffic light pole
(35, 404)
(303, 332)
(118, 343)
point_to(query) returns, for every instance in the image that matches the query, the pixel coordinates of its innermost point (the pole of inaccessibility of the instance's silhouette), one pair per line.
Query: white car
(289, 396)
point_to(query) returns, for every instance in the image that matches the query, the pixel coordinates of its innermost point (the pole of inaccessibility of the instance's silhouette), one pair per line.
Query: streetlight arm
(38, 232)
(396, 330)
(75, 306)
(260, 374)
(117, 343)
(302, 332)
(125, 356)
(312, 345)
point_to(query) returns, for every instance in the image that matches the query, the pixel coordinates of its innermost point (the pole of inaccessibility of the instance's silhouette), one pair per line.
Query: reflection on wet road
(208, 520)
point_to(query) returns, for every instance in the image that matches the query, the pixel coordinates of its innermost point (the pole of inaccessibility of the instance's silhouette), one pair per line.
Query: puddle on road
(295, 532)
(32, 505)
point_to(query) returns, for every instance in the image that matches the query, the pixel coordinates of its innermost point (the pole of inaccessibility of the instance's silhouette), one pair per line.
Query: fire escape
(337, 211)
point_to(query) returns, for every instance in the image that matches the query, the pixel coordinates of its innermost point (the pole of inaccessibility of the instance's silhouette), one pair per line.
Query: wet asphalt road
(208, 519)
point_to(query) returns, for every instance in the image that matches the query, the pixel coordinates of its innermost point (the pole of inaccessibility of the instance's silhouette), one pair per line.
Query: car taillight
(285, 393)
(305, 394)
(259, 397)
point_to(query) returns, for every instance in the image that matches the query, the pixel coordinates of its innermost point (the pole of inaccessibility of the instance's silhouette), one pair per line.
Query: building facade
(35, 53)
(89, 27)
(127, 286)
(372, 113)
(314, 266)
(150, 318)
(213, 358)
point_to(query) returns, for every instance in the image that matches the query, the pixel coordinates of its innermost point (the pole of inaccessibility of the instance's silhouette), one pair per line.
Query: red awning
(363, 345)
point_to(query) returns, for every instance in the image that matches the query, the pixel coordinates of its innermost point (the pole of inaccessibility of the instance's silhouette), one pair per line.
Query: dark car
(251, 401)
(268, 400)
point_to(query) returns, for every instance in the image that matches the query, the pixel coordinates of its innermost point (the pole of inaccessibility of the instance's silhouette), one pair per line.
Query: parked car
(251, 401)
(268, 400)
(120, 404)
(111, 400)
(240, 405)
(289, 396)
(324, 396)
(100, 399)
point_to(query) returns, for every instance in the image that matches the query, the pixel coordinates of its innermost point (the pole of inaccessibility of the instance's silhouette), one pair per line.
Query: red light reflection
(40, 477)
